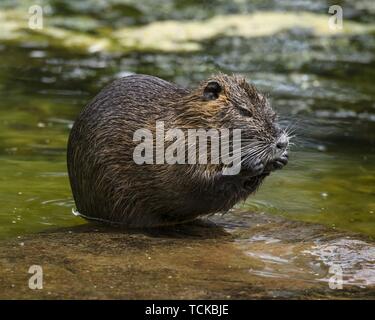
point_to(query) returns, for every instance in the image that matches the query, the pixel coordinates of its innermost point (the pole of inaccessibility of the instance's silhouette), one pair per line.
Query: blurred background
(320, 80)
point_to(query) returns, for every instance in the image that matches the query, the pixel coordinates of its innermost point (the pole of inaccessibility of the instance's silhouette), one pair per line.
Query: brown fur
(106, 183)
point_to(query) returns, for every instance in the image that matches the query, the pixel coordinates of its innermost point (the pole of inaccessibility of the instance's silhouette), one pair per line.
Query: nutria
(109, 186)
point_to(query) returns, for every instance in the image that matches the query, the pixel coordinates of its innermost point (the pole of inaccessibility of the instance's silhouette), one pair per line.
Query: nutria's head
(230, 102)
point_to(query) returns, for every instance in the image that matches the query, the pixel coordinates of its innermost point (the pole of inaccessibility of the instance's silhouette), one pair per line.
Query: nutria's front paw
(278, 163)
(255, 168)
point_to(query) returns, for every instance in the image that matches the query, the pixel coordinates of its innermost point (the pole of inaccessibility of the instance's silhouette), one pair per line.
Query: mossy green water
(320, 83)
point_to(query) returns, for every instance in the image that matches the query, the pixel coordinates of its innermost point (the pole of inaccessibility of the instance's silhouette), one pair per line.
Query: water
(322, 85)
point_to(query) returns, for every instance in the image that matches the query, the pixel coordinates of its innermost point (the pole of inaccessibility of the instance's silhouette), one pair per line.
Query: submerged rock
(262, 257)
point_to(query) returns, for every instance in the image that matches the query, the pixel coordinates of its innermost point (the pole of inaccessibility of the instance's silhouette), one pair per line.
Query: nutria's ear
(212, 90)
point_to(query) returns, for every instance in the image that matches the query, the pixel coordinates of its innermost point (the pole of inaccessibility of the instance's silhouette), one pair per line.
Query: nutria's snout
(282, 143)
(281, 150)
(280, 153)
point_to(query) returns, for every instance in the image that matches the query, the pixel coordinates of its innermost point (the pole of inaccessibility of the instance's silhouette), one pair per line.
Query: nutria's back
(107, 183)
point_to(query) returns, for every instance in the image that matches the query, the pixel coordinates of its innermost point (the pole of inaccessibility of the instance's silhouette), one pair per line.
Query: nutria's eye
(212, 90)
(245, 111)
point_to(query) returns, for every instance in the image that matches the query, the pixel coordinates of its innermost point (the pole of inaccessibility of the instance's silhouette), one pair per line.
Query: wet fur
(108, 185)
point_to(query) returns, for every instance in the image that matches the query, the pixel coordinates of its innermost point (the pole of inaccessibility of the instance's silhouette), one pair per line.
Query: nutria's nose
(282, 142)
